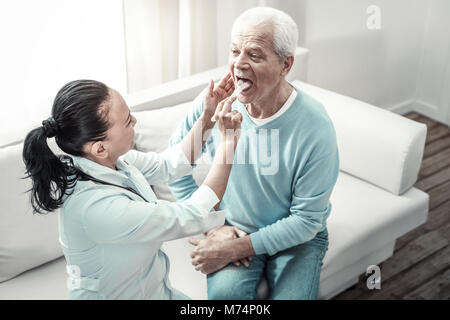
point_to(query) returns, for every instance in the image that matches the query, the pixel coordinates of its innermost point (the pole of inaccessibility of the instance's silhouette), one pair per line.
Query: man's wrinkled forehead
(261, 35)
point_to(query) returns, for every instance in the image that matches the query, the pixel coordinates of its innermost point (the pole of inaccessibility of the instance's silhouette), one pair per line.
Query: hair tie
(50, 127)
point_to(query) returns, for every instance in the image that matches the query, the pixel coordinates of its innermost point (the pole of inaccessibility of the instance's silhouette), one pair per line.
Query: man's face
(254, 65)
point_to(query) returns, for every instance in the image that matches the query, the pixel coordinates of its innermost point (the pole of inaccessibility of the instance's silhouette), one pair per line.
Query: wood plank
(411, 279)
(436, 132)
(430, 182)
(436, 218)
(436, 146)
(412, 115)
(435, 163)
(414, 252)
(439, 195)
(429, 122)
(402, 283)
(437, 288)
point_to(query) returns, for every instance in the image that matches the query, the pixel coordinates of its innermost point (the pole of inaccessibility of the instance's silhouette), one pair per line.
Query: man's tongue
(244, 84)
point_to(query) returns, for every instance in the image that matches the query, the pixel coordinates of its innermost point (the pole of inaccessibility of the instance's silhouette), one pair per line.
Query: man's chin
(245, 99)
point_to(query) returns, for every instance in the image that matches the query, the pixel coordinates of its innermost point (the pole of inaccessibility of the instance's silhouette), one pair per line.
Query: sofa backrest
(375, 145)
(26, 240)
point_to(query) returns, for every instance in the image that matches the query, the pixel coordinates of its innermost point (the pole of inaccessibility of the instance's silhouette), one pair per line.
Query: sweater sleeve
(309, 208)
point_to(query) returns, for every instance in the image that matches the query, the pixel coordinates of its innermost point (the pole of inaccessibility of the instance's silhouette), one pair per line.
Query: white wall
(48, 43)
(376, 66)
(433, 78)
(402, 67)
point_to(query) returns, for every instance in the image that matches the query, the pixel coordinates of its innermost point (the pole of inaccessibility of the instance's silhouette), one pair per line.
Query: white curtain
(171, 39)
(48, 43)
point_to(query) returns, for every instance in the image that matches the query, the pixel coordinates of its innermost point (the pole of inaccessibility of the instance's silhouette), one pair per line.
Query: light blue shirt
(282, 177)
(111, 238)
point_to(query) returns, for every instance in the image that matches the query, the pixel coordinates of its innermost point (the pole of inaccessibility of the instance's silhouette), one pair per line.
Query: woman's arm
(229, 123)
(176, 161)
(193, 142)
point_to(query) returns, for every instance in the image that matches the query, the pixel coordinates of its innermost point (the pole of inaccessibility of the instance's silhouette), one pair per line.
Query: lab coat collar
(102, 172)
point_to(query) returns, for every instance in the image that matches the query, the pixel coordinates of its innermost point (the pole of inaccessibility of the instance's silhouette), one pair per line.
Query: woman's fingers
(218, 110)
(236, 118)
(227, 105)
(229, 86)
(211, 88)
(223, 82)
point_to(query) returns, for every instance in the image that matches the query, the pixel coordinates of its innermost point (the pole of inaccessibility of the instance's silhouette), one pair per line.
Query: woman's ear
(96, 150)
(287, 65)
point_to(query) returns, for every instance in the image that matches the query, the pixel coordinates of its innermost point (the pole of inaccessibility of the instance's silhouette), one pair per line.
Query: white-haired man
(277, 220)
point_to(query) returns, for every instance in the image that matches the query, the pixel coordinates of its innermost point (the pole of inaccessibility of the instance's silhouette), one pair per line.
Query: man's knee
(229, 292)
(231, 283)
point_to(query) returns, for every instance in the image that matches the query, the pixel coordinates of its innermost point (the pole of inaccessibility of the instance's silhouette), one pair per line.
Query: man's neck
(272, 103)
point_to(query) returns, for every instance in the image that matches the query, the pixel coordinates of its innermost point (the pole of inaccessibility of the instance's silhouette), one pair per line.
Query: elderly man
(277, 218)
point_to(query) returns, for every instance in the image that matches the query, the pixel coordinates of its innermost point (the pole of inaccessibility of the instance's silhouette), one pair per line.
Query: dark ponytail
(79, 116)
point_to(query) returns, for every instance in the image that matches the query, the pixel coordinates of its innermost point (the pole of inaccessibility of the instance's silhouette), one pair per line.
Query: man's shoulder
(312, 114)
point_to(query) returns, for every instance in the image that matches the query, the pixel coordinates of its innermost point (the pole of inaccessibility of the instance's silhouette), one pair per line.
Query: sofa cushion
(375, 145)
(26, 240)
(45, 282)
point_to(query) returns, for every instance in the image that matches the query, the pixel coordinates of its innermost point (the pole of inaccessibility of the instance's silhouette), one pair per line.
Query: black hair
(79, 115)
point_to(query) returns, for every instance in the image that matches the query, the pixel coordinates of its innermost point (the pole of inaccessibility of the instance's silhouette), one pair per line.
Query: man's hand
(209, 255)
(223, 233)
(217, 93)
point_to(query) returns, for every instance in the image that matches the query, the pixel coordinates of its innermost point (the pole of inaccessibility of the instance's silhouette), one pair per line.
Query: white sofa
(374, 202)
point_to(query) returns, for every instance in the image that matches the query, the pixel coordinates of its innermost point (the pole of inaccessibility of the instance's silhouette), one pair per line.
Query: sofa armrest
(375, 145)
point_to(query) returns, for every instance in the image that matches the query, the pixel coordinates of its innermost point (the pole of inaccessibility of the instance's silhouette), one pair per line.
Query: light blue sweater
(280, 197)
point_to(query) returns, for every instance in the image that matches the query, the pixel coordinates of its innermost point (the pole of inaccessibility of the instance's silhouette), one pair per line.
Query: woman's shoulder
(85, 193)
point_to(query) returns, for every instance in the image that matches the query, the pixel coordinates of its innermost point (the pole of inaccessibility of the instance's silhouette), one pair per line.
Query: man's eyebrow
(255, 49)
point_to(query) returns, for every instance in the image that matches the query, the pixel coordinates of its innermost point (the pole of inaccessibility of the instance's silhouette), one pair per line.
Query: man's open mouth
(243, 84)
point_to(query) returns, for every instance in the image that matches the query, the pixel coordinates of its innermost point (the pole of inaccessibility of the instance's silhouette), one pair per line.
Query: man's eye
(234, 51)
(254, 56)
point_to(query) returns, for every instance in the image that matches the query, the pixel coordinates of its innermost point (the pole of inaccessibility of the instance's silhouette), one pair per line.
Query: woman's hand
(229, 122)
(217, 93)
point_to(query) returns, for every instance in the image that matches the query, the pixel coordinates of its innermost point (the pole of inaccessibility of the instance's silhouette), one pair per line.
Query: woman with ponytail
(111, 224)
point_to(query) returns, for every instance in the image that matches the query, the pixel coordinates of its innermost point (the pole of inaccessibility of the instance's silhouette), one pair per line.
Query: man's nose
(240, 62)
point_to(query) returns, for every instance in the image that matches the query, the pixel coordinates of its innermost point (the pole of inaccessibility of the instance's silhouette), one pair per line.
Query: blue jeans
(292, 274)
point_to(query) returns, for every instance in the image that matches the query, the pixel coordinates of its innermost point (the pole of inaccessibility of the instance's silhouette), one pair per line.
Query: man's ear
(97, 150)
(287, 65)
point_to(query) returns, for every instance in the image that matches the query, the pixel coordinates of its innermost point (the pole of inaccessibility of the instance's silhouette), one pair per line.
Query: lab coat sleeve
(115, 218)
(160, 168)
(184, 187)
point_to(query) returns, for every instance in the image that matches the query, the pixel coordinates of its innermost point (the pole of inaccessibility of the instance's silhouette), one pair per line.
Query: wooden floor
(420, 266)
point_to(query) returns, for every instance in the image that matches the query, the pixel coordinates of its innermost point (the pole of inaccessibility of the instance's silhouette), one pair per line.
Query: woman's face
(120, 135)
